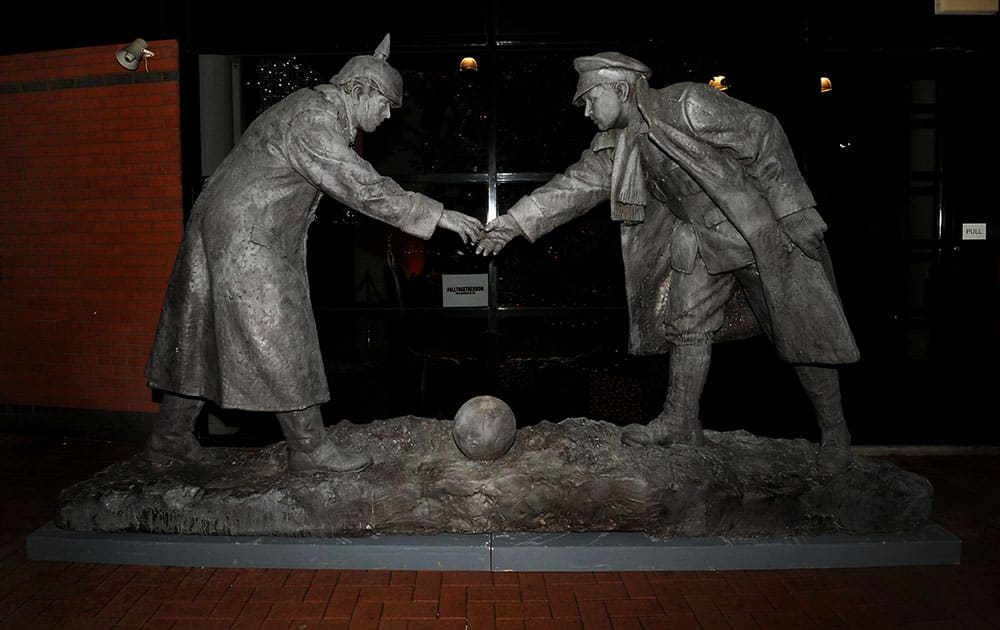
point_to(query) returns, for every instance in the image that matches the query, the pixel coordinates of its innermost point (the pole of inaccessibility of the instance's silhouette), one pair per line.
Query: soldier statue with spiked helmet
(237, 326)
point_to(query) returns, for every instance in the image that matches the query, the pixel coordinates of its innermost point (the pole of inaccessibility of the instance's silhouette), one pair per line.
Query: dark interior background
(899, 154)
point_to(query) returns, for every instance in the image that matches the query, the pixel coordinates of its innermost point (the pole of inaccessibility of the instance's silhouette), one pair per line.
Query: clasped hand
(497, 234)
(468, 228)
(489, 239)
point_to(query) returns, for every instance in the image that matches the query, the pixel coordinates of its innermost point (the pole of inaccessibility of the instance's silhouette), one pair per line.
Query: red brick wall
(90, 219)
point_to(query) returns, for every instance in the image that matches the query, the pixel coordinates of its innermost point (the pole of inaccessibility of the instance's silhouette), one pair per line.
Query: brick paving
(66, 595)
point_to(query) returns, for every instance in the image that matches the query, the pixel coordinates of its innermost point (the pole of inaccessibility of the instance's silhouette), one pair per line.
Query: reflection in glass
(538, 127)
(443, 125)
(355, 260)
(577, 264)
(575, 364)
(397, 362)
(277, 77)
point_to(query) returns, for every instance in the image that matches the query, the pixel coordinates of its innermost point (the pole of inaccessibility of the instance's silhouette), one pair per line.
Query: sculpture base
(570, 476)
(929, 545)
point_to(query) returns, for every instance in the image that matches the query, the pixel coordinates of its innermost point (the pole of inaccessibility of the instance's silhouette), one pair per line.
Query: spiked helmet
(376, 69)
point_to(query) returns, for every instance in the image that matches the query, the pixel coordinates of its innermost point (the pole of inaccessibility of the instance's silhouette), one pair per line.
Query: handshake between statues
(468, 228)
(488, 239)
(496, 234)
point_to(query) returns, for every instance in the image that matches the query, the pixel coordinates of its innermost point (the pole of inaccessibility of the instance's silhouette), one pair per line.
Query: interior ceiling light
(719, 82)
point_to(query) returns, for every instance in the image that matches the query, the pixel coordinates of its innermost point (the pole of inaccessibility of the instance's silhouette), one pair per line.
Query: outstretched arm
(323, 158)
(563, 198)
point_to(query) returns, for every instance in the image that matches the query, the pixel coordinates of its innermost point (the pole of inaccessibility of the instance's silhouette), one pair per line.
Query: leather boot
(822, 385)
(678, 423)
(310, 450)
(172, 439)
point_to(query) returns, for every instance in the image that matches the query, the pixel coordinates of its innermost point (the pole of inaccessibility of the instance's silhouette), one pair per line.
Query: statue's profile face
(605, 107)
(373, 109)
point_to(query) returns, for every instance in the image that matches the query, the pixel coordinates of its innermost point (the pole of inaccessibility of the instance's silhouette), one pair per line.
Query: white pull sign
(973, 231)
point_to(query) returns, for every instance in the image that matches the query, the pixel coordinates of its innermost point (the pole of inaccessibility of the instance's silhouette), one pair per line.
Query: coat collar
(337, 97)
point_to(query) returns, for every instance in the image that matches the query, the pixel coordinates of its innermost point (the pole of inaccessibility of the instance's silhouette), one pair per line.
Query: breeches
(696, 302)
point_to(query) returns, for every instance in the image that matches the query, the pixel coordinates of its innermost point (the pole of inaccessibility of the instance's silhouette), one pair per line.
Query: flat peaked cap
(604, 68)
(611, 60)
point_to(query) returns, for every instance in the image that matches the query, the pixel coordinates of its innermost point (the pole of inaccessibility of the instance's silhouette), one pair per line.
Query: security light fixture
(130, 56)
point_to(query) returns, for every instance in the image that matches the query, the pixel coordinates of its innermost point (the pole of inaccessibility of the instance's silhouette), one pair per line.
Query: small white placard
(973, 231)
(465, 289)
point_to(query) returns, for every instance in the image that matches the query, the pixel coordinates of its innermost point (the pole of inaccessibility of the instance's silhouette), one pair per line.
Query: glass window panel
(267, 80)
(921, 220)
(322, 27)
(575, 364)
(577, 264)
(443, 125)
(559, 366)
(357, 260)
(922, 147)
(525, 20)
(389, 335)
(388, 363)
(916, 284)
(530, 20)
(587, 335)
(538, 127)
(923, 91)
(540, 130)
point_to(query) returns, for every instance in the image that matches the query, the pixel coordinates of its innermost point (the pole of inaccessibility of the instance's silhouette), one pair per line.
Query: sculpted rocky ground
(569, 476)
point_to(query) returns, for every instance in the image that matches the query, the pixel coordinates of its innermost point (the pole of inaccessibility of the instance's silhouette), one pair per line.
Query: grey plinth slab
(929, 545)
(455, 552)
(612, 551)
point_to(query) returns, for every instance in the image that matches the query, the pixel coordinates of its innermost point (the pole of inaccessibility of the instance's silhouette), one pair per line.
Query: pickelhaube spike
(382, 52)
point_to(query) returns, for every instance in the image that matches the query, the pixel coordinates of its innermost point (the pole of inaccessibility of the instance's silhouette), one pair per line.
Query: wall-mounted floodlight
(130, 56)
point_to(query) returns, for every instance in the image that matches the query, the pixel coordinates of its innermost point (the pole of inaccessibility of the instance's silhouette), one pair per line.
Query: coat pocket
(683, 248)
(714, 217)
(266, 238)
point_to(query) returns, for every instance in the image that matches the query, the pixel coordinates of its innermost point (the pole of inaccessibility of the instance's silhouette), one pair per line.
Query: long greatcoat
(739, 156)
(237, 325)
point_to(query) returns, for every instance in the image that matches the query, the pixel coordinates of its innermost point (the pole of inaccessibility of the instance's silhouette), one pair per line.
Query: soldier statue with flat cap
(720, 238)
(237, 326)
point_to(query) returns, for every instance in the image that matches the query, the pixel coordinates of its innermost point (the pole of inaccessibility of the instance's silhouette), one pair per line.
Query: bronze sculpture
(237, 326)
(719, 231)
(720, 238)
